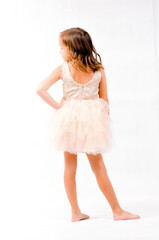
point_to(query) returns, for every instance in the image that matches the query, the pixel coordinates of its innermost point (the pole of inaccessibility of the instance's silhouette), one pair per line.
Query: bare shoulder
(53, 77)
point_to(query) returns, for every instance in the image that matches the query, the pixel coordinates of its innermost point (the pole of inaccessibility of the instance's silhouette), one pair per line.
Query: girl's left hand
(62, 102)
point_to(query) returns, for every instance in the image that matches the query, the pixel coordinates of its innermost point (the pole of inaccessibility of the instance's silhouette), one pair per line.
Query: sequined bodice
(72, 89)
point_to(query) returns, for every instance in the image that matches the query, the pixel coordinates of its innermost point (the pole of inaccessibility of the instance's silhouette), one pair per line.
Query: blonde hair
(81, 49)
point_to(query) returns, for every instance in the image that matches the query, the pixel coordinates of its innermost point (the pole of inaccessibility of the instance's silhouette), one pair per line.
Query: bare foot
(123, 215)
(79, 216)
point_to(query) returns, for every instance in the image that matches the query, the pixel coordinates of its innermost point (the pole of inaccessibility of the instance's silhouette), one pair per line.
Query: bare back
(80, 76)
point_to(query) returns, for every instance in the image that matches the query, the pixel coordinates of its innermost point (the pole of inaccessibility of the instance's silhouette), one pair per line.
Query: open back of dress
(82, 124)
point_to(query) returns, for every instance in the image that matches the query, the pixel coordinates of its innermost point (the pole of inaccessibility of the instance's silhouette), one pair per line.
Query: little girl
(81, 122)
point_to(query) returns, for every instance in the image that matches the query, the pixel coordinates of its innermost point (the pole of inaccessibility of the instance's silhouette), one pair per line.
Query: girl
(81, 122)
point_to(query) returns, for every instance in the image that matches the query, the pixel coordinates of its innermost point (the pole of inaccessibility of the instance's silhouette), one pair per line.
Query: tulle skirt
(81, 126)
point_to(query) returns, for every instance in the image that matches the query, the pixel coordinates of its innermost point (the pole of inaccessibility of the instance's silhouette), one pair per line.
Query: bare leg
(70, 186)
(99, 169)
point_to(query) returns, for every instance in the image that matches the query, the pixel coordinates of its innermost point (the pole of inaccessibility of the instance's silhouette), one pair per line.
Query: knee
(98, 167)
(70, 169)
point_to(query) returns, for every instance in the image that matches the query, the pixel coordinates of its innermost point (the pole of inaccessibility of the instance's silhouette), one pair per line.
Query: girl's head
(77, 47)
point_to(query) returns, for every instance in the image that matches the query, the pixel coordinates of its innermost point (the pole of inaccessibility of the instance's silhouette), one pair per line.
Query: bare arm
(103, 87)
(46, 84)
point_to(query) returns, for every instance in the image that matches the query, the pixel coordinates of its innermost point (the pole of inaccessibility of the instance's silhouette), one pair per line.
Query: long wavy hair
(82, 52)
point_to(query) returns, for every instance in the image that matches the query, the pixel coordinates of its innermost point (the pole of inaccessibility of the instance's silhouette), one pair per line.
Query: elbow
(39, 91)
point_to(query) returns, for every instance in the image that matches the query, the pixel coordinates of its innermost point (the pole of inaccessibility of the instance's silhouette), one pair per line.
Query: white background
(33, 201)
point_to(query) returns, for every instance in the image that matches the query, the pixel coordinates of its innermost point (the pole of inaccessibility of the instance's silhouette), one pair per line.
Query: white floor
(57, 224)
(34, 205)
(49, 218)
(101, 226)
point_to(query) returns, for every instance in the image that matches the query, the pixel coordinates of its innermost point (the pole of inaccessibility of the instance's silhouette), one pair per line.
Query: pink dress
(82, 124)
